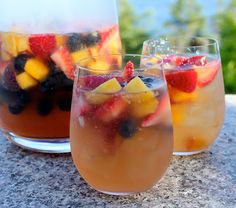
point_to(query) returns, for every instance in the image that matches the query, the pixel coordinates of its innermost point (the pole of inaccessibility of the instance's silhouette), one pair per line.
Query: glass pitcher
(40, 43)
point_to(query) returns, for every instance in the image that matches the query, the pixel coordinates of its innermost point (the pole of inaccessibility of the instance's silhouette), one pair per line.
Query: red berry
(179, 60)
(197, 60)
(42, 45)
(208, 73)
(63, 60)
(128, 71)
(185, 81)
(112, 109)
(157, 116)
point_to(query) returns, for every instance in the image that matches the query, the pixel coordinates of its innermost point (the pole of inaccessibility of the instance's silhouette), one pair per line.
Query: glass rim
(78, 66)
(211, 41)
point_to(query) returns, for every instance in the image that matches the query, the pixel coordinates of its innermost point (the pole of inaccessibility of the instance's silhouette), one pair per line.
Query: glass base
(47, 145)
(188, 153)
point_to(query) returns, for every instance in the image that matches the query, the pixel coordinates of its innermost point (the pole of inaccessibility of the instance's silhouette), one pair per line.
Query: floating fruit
(37, 69)
(112, 109)
(45, 106)
(103, 92)
(9, 80)
(26, 81)
(143, 100)
(42, 45)
(63, 59)
(207, 73)
(20, 61)
(128, 71)
(74, 42)
(184, 80)
(91, 39)
(15, 107)
(197, 60)
(127, 128)
(157, 116)
(82, 55)
(178, 96)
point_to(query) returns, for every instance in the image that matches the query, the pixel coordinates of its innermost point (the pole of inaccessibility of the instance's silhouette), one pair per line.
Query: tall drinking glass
(121, 128)
(196, 89)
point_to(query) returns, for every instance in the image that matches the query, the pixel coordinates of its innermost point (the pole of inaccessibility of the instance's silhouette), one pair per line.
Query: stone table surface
(38, 180)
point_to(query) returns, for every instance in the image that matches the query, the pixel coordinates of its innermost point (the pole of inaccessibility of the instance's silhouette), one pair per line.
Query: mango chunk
(37, 69)
(25, 81)
(110, 86)
(143, 100)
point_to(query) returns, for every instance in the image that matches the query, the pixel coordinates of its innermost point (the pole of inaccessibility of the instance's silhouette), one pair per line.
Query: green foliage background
(184, 20)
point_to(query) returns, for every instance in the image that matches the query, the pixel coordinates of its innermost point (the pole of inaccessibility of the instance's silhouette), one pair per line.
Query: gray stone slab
(30, 179)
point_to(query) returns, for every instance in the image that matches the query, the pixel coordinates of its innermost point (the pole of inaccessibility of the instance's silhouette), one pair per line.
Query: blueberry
(19, 62)
(24, 97)
(44, 106)
(65, 103)
(92, 38)
(75, 41)
(15, 107)
(67, 84)
(127, 128)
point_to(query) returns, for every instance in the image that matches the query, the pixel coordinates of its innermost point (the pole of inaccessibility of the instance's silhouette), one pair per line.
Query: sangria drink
(121, 127)
(36, 81)
(194, 76)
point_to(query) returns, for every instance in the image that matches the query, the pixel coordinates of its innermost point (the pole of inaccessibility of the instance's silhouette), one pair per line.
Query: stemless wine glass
(121, 127)
(40, 43)
(196, 89)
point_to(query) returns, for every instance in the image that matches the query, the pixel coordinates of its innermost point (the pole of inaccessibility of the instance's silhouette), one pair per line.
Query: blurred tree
(186, 19)
(227, 30)
(132, 34)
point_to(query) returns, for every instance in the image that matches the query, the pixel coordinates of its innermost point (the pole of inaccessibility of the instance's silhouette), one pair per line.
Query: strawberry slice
(105, 34)
(208, 73)
(63, 59)
(92, 81)
(197, 60)
(128, 71)
(112, 109)
(42, 45)
(157, 116)
(179, 60)
(185, 81)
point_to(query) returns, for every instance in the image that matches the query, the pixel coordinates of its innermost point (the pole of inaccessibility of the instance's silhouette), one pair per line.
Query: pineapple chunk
(22, 43)
(143, 100)
(25, 81)
(9, 43)
(82, 55)
(110, 86)
(37, 69)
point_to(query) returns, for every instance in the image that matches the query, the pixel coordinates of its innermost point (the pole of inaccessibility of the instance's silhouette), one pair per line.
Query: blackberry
(15, 107)
(67, 84)
(75, 42)
(9, 79)
(44, 106)
(53, 82)
(91, 39)
(23, 96)
(19, 62)
(65, 103)
(127, 128)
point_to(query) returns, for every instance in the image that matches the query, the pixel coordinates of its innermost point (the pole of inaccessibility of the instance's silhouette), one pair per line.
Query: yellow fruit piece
(94, 51)
(110, 86)
(143, 100)
(178, 113)
(60, 40)
(22, 43)
(99, 66)
(37, 69)
(9, 43)
(81, 57)
(25, 81)
(177, 96)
